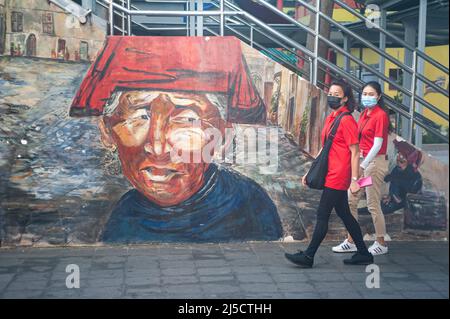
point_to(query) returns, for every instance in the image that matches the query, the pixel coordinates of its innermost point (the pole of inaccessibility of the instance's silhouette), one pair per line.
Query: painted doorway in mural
(31, 45)
(84, 51)
(61, 48)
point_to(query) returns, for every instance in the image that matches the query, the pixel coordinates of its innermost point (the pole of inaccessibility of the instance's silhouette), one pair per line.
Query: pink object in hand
(365, 181)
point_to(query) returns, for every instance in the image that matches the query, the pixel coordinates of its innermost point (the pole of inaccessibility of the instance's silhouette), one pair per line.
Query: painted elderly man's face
(146, 126)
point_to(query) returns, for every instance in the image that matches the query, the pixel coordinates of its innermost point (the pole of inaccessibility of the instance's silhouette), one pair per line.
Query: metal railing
(227, 17)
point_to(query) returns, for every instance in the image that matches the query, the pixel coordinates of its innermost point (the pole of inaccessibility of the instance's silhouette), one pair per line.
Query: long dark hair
(348, 92)
(377, 87)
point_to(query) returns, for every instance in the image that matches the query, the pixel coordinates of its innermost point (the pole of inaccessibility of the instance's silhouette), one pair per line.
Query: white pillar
(200, 19)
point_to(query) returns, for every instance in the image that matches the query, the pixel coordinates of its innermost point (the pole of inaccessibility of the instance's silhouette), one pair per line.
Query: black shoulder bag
(315, 178)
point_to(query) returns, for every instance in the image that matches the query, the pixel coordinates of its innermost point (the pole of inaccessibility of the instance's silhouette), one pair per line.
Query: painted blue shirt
(229, 207)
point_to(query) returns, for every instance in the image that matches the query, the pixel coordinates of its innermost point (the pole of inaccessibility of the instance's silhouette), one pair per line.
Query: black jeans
(337, 199)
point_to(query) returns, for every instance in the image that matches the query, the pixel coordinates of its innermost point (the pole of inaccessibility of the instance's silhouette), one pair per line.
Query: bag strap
(335, 126)
(362, 128)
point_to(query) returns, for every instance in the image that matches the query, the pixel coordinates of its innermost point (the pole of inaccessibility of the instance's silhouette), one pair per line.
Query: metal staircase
(286, 44)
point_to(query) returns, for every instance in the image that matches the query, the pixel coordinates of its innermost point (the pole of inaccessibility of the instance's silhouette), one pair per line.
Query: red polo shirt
(370, 126)
(339, 160)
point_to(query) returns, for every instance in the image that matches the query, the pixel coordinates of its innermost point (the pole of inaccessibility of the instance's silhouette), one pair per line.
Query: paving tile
(224, 271)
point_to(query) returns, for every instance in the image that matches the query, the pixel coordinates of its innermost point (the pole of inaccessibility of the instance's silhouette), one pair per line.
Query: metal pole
(129, 18)
(222, 19)
(413, 98)
(123, 18)
(422, 31)
(111, 18)
(316, 43)
(200, 19)
(192, 18)
(383, 24)
(397, 123)
(408, 78)
(347, 48)
(188, 7)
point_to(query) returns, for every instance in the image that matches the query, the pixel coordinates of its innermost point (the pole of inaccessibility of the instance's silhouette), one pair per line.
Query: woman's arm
(354, 149)
(377, 143)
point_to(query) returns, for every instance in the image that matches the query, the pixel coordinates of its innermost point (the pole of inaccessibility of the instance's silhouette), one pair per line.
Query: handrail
(380, 52)
(389, 101)
(393, 36)
(224, 13)
(270, 38)
(291, 66)
(364, 65)
(385, 55)
(354, 35)
(413, 95)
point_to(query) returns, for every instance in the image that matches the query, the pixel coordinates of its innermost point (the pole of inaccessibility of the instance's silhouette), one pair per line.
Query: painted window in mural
(47, 23)
(150, 97)
(16, 21)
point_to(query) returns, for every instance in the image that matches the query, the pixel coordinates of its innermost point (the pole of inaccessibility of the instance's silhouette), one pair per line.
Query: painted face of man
(146, 127)
(402, 162)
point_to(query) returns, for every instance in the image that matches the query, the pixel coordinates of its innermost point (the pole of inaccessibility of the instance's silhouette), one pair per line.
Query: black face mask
(334, 102)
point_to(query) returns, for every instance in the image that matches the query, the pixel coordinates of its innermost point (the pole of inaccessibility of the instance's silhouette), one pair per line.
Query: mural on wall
(102, 173)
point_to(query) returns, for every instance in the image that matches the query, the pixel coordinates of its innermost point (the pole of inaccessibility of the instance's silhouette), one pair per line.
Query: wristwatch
(354, 179)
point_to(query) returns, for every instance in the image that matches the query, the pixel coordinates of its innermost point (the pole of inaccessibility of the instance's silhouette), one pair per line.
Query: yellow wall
(439, 53)
(342, 15)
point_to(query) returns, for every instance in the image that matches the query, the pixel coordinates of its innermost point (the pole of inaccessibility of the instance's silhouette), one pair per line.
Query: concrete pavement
(232, 270)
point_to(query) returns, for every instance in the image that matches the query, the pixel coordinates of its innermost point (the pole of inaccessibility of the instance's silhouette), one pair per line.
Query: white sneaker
(345, 247)
(378, 249)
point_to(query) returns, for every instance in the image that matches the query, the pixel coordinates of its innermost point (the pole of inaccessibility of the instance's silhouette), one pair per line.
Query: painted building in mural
(44, 29)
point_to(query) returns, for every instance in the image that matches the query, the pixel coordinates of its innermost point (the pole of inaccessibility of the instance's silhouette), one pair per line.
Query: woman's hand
(304, 181)
(354, 187)
(361, 172)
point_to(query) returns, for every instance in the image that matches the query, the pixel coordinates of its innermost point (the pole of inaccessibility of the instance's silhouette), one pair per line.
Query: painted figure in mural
(404, 178)
(150, 93)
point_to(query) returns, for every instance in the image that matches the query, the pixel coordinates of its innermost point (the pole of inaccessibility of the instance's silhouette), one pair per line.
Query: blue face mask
(369, 101)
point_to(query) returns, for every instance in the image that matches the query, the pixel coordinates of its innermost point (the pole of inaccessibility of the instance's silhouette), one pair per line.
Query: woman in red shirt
(343, 170)
(373, 128)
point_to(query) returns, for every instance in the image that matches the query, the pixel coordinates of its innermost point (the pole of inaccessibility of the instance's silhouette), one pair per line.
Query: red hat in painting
(189, 64)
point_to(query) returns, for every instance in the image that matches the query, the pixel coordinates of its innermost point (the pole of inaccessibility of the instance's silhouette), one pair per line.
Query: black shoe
(300, 259)
(359, 259)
